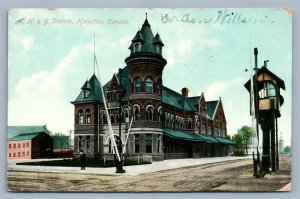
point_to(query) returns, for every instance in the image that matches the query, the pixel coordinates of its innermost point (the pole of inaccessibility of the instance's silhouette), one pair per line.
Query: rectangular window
(27, 153)
(80, 146)
(14, 154)
(19, 154)
(158, 143)
(27, 144)
(19, 145)
(148, 143)
(136, 143)
(23, 145)
(23, 154)
(209, 130)
(9, 146)
(14, 146)
(9, 155)
(203, 129)
(88, 146)
(215, 131)
(80, 119)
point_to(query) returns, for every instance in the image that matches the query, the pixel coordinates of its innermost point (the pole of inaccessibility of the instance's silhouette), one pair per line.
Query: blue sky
(207, 50)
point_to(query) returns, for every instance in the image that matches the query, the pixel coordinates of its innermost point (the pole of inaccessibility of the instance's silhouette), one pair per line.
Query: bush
(239, 153)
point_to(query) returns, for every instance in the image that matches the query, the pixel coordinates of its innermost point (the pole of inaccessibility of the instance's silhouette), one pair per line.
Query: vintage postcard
(149, 100)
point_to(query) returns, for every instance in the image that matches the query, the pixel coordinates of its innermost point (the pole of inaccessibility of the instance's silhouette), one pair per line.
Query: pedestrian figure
(82, 160)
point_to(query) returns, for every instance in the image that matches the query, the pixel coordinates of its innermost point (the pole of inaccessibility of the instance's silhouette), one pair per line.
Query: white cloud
(124, 41)
(26, 42)
(40, 97)
(184, 47)
(216, 89)
(170, 58)
(235, 106)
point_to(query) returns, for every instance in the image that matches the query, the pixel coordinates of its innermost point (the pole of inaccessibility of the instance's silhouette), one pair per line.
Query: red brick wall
(19, 149)
(83, 107)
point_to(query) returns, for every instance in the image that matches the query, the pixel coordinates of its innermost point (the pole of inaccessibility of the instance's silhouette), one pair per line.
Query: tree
(287, 149)
(238, 140)
(59, 134)
(247, 133)
(243, 138)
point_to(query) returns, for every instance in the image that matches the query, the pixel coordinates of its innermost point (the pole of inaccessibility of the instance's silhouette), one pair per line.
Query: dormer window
(85, 93)
(137, 47)
(158, 49)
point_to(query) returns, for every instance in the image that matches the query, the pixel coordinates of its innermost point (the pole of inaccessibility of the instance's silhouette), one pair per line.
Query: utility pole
(120, 112)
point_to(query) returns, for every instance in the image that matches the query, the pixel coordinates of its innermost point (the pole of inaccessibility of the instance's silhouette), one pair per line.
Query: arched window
(177, 123)
(112, 119)
(166, 119)
(149, 113)
(172, 121)
(169, 120)
(159, 85)
(149, 85)
(159, 114)
(88, 116)
(117, 118)
(190, 123)
(110, 145)
(137, 85)
(136, 113)
(104, 119)
(80, 117)
(126, 115)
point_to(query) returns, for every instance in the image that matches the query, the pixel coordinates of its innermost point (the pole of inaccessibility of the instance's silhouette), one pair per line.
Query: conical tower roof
(157, 40)
(147, 39)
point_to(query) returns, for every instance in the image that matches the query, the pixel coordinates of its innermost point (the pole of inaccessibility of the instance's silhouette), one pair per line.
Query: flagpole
(107, 114)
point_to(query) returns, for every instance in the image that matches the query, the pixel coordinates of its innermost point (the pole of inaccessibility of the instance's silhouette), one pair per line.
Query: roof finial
(94, 53)
(146, 15)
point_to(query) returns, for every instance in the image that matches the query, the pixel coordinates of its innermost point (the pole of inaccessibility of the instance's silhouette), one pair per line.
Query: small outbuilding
(30, 142)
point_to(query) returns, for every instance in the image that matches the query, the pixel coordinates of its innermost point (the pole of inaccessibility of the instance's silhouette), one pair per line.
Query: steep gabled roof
(95, 92)
(265, 70)
(176, 100)
(171, 97)
(16, 130)
(211, 108)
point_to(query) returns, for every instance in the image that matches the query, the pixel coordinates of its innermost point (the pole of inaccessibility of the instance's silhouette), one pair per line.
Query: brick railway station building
(166, 124)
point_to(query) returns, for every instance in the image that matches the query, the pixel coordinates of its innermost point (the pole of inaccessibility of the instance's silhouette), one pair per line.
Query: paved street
(209, 174)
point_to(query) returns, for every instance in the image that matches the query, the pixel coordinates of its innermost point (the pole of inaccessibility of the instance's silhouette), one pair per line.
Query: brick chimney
(185, 92)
